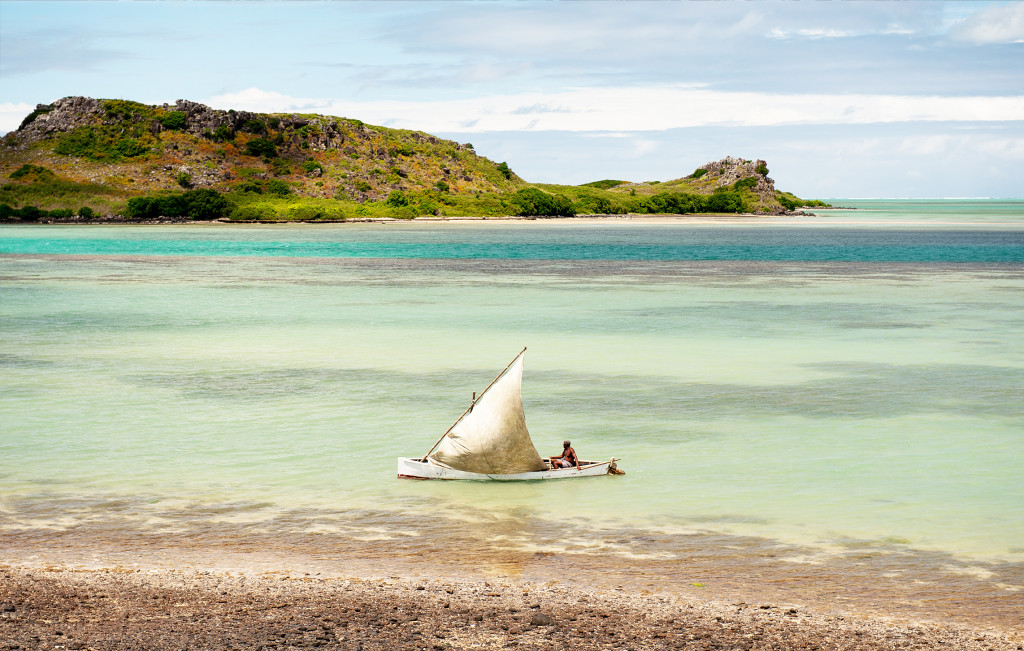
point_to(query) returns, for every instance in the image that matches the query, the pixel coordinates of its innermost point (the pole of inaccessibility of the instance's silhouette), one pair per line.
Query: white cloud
(1001, 148)
(999, 24)
(644, 146)
(255, 99)
(12, 113)
(897, 30)
(811, 33)
(638, 109)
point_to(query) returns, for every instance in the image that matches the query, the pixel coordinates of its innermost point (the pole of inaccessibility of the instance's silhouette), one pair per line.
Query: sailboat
(489, 441)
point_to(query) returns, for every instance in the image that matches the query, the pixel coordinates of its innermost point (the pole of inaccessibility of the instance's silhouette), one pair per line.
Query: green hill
(93, 159)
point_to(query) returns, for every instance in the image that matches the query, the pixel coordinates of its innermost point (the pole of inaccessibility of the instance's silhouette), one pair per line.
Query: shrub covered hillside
(106, 151)
(92, 158)
(725, 186)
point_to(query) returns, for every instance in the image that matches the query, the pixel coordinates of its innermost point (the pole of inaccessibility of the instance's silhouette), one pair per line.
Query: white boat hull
(409, 468)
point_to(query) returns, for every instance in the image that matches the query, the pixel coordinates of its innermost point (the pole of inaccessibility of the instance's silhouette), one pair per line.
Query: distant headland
(100, 160)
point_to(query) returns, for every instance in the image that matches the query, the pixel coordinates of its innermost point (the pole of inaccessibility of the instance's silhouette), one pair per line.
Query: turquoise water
(809, 383)
(974, 213)
(621, 241)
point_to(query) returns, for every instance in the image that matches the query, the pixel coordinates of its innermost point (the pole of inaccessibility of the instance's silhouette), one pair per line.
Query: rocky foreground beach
(63, 608)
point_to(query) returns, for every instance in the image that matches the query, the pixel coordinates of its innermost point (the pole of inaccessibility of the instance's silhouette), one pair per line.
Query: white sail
(492, 437)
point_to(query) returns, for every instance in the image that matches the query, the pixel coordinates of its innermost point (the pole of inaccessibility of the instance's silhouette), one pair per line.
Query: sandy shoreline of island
(697, 218)
(644, 218)
(63, 607)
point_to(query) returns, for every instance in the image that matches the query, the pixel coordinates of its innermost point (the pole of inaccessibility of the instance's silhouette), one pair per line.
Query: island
(81, 159)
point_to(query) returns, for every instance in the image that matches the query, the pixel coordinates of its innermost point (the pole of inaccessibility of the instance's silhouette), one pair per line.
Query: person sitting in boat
(568, 458)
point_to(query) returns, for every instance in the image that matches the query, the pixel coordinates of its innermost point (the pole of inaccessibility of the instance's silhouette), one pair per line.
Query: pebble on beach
(66, 608)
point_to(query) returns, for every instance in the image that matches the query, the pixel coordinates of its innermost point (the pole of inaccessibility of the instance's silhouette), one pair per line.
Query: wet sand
(58, 607)
(100, 588)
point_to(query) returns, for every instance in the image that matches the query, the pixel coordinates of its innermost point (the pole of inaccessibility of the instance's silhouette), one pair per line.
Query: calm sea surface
(851, 382)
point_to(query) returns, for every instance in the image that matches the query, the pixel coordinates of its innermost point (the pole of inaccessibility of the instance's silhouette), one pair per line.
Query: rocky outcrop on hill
(318, 133)
(729, 170)
(161, 147)
(729, 176)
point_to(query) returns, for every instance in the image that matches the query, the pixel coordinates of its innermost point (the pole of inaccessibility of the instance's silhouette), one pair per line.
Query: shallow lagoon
(215, 380)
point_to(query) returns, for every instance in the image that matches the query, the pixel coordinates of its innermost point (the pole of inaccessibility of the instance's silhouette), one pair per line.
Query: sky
(843, 99)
